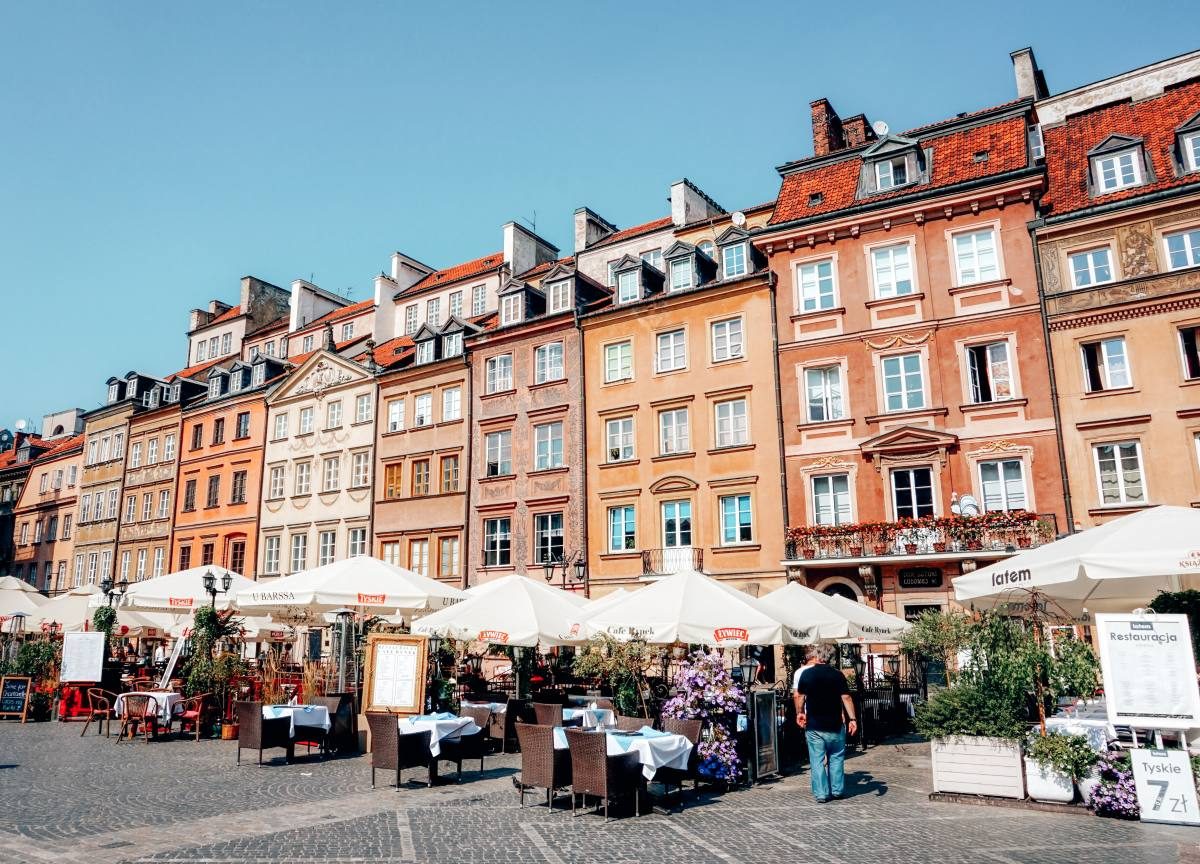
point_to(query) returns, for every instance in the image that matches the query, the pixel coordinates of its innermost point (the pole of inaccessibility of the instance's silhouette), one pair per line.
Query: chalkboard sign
(14, 696)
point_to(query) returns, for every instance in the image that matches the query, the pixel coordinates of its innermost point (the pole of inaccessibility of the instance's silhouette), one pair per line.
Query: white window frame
(975, 250)
(912, 487)
(281, 426)
(499, 374)
(451, 345)
(456, 304)
(548, 362)
(360, 470)
(545, 532)
(883, 263)
(433, 311)
(512, 308)
(974, 393)
(680, 266)
(498, 452)
(422, 410)
(395, 415)
(727, 340)
(840, 504)
(812, 292)
(303, 480)
(356, 542)
(1107, 377)
(1189, 143)
(333, 414)
(1092, 268)
(908, 401)
(624, 517)
(1190, 238)
(425, 351)
(674, 431)
(278, 482)
(1124, 500)
(618, 359)
(306, 421)
(497, 541)
(628, 286)
(830, 393)
(326, 547)
(677, 511)
(331, 469)
(670, 352)
(451, 404)
(1120, 161)
(619, 436)
(478, 300)
(418, 556)
(738, 499)
(299, 552)
(885, 170)
(362, 408)
(1005, 495)
(271, 546)
(729, 431)
(546, 455)
(558, 296)
(411, 324)
(735, 265)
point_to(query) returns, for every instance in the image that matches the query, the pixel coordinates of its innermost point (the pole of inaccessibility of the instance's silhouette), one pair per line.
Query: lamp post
(435, 648)
(749, 668)
(210, 586)
(345, 620)
(573, 567)
(112, 592)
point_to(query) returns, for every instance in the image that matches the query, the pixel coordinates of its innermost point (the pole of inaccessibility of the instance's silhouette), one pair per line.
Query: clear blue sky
(153, 153)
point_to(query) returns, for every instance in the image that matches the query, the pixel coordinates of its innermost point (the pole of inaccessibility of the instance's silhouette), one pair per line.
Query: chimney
(524, 250)
(826, 128)
(590, 229)
(198, 318)
(1031, 81)
(689, 203)
(857, 131)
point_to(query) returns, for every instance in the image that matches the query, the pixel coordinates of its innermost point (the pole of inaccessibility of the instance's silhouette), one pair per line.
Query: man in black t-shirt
(822, 701)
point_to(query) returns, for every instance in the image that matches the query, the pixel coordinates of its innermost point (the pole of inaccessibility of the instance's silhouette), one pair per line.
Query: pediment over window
(907, 443)
(732, 234)
(674, 483)
(424, 332)
(627, 262)
(457, 325)
(512, 286)
(888, 145)
(1190, 125)
(558, 271)
(1115, 143)
(678, 249)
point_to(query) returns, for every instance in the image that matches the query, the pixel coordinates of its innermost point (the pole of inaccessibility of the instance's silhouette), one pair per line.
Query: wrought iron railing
(663, 561)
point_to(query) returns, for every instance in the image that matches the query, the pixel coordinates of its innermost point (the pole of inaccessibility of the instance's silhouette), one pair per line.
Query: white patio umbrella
(802, 607)
(179, 593)
(254, 628)
(867, 624)
(512, 610)
(73, 610)
(365, 584)
(691, 607)
(1114, 567)
(17, 596)
(594, 607)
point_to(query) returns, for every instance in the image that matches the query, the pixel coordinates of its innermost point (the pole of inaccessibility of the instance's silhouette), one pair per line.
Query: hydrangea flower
(705, 691)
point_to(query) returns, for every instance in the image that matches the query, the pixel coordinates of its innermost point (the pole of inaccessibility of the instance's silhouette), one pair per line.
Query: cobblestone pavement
(69, 799)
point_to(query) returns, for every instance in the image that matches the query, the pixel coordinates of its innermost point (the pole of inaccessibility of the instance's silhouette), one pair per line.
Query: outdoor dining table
(441, 727)
(494, 707)
(299, 715)
(592, 717)
(166, 701)
(654, 749)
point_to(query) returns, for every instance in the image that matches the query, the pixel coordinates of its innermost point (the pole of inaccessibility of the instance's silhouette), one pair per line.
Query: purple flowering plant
(705, 691)
(1116, 796)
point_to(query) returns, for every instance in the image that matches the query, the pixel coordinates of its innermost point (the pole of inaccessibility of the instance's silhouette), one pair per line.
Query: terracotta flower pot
(880, 549)
(974, 545)
(856, 551)
(910, 548)
(229, 732)
(1024, 542)
(808, 552)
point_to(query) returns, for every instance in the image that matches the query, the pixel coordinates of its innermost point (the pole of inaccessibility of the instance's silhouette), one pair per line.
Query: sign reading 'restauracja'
(1149, 671)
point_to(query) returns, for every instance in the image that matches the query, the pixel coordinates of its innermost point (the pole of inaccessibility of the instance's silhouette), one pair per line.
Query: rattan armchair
(631, 724)
(392, 751)
(594, 772)
(689, 729)
(139, 716)
(342, 737)
(256, 732)
(548, 714)
(472, 746)
(195, 711)
(99, 708)
(144, 685)
(542, 767)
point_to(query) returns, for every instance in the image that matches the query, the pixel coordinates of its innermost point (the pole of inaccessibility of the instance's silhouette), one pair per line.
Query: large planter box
(978, 766)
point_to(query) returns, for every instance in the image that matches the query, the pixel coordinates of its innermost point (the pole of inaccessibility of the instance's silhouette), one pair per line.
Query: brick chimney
(1030, 79)
(857, 131)
(826, 128)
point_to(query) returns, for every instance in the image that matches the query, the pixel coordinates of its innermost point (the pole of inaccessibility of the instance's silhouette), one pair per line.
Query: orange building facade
(148, 494)
(45, 515)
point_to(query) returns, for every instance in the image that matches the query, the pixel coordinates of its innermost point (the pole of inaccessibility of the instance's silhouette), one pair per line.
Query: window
(259, 375)
(275, 487)
(347, 331)
(736, 523)
(418, 557)
(306, 420)
(478, 299)
(360, 470)
(423, 409)
(451, 404)
(197, 436)
(726, 339)
(391, 553)
(235, 380)
(164, 503)
(448, 557)
(1189, 341)
(24, 541)
(218, 436)
(241, 425)
(912, 492)
(356, 542)
(1003, 484)
(201, 354)
(280, 426)
(831, 499)
(1090, 268)
(499, 453)
(73, 471)
(891, 268)
(1190, 145)
(303, 484)
(392, 480)
(823, 389)
(112, 503)
(226, 343)
(395, 415)
(140, 574)
(326, 546)
(52, 529)
(989, 372)
(214, 491)
(362, 408)
(672, 351)
(677, 524)
(147, 507)
(452, 345)
(306, 344)
(653, 258)
(299, 552)
(499, 373)
(511, 307)
(333, 414)
(1119, 471)
(270, 555)
(618, 361)
(189, 496)
(130, 508)
(816, 286)
(118, 445)
(622, 528)
(1105, 365)
(135, 456)
(330, 467)
(78, 571)
(733, 259)
(410, 319)
(619, 433)
(66, 527)
(449, 473)
(91, 456)
(214, 387)
(731, 423)
(548, 446)
(497, 542)
(903, 384)
(237, 556)
(548, 363)
(456, 298)
(420, 477)
(91, 568)
(891, 173)
(1117, 171)
(1183, 249)
(975, 257)
(559, 296)
(547, 538)
(425, 351)
(673, 432)
(627, 286)
(237, 494)
(681, 274)
(269, 348)
(169, 447)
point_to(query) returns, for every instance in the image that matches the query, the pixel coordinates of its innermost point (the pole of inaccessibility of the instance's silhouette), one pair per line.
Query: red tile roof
(62, 446)
(9, 457)
(228, 315)
(1154, 120)
(392, 351)
(338, 314)
(953, 162)
(279, 323)
(636, 230)
(337, 346)
(459, 271)
(192, 371)
(544, 267)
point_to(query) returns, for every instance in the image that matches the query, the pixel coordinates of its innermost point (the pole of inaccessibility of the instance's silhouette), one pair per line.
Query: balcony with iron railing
(663, 562)
(988, 535)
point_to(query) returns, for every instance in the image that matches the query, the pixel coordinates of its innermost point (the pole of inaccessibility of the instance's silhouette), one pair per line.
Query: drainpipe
(783, 483)
(1032, 226)
(467, 471)
(583, 463)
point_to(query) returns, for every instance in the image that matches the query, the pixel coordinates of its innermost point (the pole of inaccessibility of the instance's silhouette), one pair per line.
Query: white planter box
(1046, 784)
(978, 766)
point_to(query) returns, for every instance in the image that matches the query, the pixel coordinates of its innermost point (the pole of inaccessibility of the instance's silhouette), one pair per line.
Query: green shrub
(968, 709)
(1068, 754)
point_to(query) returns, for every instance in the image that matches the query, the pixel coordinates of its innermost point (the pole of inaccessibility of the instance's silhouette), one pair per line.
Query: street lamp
(210, 585)
(573, 566)
(112, 592)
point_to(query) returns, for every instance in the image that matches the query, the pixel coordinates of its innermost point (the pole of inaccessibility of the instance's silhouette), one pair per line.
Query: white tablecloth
(654, 749)
(494, 707)
(299, 715)
(440, 728)
(592, 717)
(165, 700)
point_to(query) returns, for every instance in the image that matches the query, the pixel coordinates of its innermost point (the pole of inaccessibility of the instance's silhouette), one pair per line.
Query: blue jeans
(826, 761)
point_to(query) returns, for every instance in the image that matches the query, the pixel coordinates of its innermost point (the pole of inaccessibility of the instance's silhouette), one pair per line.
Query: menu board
(82, 657)
(396, 665)
(1149, 671)
(14, 696)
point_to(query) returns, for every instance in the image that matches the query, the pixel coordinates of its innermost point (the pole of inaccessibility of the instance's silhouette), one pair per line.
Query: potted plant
(975, 740)
(1055, 763)
(620, 665)
(705, 691)
(1115, 795)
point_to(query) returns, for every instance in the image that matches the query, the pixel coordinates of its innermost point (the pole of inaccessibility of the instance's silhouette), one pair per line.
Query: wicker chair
(342, 737)
(631, 724)
(504, 727)
(100, 708)
(195, 712)
(594, 772)
(392, 751)
(689, 729)
(604, 702)
(542, 767)
(256, 732)
(473, 746)
(140, 714)
(144, 685)
(548, 714)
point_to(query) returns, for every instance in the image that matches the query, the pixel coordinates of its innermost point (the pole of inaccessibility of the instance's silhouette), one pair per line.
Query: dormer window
(733, 261)
(146, 399)
(452, 345)
(891, 173)
(511, 308)
(153, 394)
(131, 388)
(235, 381)
(1114, 171)
(558, 296)
(114, 392)
(1190, 145)
(707, 247)
(174, 397)
(214, 387)
(681, 274)
(627, 286)
(260, 373)
(425, 351)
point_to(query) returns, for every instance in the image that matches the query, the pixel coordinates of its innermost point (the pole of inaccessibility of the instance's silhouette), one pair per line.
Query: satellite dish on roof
(20, 425)
(738, 218)
(881, 128)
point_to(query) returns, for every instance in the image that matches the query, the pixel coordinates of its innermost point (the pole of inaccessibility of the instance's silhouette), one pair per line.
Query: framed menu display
(82, 657)
(1149, 671)
(396, 666)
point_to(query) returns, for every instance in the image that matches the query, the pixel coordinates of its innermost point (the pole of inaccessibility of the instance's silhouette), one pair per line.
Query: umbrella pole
(1039, 693)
